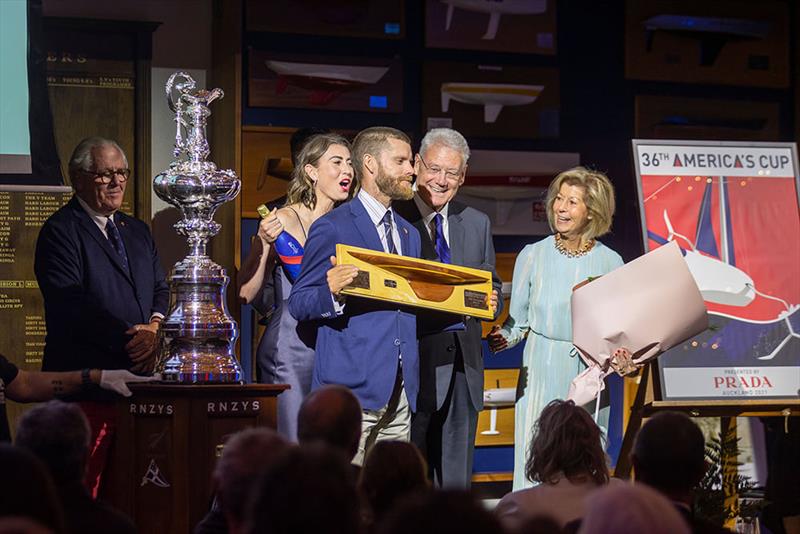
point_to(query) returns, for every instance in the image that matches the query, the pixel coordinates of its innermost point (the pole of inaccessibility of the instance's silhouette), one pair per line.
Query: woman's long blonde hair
(301, 187)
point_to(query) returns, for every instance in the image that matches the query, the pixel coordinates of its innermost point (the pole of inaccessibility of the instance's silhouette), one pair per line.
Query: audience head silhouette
(308, 489)
(58, 434)
(566, 442)
(28, 498)
(247, 454)
(392, 470)
(631, 509)
(669, 454)
(331, 415)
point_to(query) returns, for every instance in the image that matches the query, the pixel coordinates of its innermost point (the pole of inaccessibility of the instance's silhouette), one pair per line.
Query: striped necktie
(116, 241)
(387, 229)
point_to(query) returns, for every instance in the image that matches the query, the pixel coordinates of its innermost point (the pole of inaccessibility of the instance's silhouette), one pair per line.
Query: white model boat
(719, 282)
(492, 96)
(497, 398)
(495, 8)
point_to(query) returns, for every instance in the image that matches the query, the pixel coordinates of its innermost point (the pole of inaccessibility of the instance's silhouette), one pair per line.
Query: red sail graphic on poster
(762, 234)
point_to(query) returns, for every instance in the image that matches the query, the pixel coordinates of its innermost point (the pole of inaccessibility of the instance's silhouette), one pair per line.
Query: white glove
(115, 380)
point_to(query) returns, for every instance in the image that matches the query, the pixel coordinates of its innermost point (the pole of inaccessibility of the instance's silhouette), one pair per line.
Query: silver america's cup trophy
(197, 337)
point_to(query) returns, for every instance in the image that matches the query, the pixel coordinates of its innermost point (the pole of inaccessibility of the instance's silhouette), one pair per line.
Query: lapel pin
(405, 231)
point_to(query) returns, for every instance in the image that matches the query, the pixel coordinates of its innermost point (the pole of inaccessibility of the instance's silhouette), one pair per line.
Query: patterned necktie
(387, 229)
(440, 243)
(116, 241)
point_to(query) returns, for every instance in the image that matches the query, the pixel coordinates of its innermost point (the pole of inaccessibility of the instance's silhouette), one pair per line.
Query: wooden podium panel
(167, 443)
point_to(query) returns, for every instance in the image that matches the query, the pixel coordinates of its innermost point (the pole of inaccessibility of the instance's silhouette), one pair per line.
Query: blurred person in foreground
(245, 457)
(566, 461)
(29, 503)
(331, 415)
(441, 512)
(669, 456)
(631, 509)
(393, 470)
(58, 434)
(310, 488)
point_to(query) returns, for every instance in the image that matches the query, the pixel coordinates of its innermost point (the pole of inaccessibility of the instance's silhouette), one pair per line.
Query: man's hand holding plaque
(414, 282)
(340, 276)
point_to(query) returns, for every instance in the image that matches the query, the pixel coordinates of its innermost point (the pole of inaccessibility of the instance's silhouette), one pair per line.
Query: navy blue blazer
(90, 300)
(358, 349)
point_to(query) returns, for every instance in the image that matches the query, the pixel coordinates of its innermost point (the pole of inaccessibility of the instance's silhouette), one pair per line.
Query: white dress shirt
(376, 211)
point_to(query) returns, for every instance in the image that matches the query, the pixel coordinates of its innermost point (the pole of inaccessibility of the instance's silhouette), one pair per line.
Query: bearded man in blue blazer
(103, 286)
(368, 346)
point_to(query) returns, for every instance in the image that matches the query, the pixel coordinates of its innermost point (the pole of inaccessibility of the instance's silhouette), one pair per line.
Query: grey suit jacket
(471, 246)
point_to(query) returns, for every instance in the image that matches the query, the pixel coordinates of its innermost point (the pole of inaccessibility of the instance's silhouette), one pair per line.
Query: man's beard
(393, 187)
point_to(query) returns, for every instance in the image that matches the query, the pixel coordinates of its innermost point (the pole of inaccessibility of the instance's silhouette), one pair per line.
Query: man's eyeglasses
(451, 174)
(106, 176)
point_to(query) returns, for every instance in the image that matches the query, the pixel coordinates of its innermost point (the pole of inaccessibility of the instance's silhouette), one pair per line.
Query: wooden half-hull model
(415, 282)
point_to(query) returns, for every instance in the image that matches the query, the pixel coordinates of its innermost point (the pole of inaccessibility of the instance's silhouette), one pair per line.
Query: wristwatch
(86, 379)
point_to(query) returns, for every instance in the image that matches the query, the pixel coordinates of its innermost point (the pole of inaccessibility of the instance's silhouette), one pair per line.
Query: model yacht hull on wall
(324, 81)
(495, 9)
(712, 32)
(492, 96)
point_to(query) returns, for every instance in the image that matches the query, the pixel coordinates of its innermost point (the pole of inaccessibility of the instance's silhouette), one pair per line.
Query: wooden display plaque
(416, 282)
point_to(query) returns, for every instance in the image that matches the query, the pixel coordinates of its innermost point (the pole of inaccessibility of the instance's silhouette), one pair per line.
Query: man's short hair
(331, 415)
(669, 453)
(82, 158)
(374, 141)
(58, 434)
(244, 458)
(446, 137)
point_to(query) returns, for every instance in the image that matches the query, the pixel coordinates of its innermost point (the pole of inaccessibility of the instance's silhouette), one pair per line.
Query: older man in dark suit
(451, 355)
(103, 286)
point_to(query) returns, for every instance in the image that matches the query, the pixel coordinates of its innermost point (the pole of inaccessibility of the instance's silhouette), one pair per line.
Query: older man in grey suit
(451, 355)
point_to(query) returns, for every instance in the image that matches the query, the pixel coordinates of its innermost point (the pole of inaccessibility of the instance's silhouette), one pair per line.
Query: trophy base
(188, 369)
(208, 377)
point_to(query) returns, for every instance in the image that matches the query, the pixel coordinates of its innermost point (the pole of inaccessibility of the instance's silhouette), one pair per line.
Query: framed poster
(732, 207)
(491, 101)
(730, 42)
(375, 19)
(527, 26)
(325, 82)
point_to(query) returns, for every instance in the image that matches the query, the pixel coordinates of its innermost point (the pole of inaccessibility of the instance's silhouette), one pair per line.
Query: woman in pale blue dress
(322, 178)
(580, 206)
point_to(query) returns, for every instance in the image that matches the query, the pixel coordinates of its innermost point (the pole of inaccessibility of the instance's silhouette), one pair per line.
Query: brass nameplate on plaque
(416, 282)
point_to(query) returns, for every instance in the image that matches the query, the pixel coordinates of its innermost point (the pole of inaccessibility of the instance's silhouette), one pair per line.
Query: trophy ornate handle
(182, 87)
